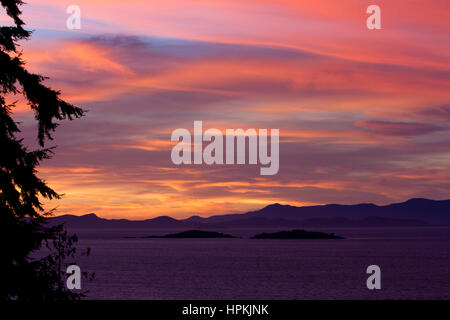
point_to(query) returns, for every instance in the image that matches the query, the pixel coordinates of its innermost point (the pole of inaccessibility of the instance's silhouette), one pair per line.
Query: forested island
(297, 234)
(192, 234)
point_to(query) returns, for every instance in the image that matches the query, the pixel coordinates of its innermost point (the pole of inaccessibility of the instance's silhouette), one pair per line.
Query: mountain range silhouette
(414, 212)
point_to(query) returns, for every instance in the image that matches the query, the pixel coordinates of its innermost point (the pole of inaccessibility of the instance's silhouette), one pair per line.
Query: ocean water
(414, 262)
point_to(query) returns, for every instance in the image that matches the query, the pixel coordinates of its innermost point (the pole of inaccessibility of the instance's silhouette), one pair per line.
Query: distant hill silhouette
(414, 212)
(93, 221)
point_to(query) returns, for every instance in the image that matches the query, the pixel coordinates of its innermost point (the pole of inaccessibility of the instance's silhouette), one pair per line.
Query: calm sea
(414, 262)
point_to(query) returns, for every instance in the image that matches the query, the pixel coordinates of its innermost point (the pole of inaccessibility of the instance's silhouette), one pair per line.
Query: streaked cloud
(399, 128)
(363, 116)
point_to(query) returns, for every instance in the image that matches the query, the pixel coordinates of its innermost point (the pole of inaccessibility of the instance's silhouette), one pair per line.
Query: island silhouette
(297, 234)
(199, 234)
(191, 234)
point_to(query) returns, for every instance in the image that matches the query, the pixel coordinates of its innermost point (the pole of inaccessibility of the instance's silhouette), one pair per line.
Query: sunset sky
(364, 115)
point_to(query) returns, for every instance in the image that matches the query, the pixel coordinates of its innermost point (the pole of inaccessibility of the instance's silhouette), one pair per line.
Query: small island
(193, 234)
(297, 234)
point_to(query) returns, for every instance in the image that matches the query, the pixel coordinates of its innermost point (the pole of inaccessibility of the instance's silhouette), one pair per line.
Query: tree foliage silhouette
(23, 219)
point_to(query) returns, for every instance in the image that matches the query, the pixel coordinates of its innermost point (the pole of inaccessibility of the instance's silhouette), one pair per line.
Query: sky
(363, 114)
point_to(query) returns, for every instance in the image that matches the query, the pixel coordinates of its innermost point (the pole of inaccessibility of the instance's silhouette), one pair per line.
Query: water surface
(415, 264)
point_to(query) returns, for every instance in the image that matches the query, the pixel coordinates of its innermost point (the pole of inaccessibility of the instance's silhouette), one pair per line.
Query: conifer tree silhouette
(23, 229)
